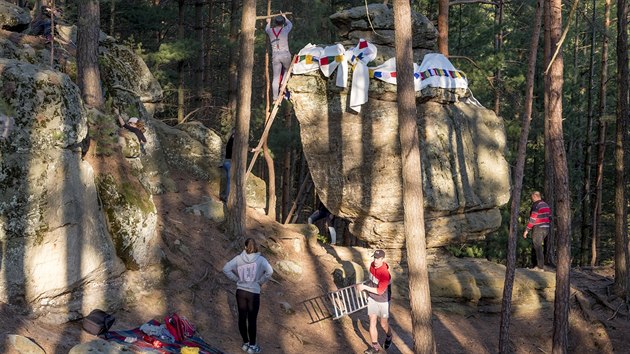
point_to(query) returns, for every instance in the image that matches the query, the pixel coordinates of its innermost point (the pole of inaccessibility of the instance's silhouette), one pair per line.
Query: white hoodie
(249, 271)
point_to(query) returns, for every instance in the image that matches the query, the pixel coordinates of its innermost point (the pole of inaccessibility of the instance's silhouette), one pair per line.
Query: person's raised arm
(289, 24)
(121, 121)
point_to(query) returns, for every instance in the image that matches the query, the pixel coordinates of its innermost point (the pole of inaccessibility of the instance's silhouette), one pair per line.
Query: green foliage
(175, 51)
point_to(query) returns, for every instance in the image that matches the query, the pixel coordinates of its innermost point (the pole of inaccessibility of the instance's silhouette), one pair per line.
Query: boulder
(355, 162)
(24, 345)
(13, 17)
(49, 206)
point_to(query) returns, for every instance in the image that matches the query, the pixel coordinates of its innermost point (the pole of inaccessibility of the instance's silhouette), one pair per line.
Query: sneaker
(245, 346)
(253, 349)
(371, 350)
(388, 342)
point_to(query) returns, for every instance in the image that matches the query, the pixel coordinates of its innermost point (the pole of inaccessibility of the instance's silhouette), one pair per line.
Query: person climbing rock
(135, 126)
(249, 270)
(323, 212)
(227, 164)
(280, 55)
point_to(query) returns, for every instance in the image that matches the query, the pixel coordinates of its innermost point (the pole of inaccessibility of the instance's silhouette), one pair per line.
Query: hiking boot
(388, 342)
(245, 346)
(253, 349)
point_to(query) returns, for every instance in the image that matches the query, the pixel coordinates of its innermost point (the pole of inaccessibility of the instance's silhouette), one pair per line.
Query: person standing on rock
(378, 291)
(280, 55)
(539, 223)
(249, 270)
(135, 126)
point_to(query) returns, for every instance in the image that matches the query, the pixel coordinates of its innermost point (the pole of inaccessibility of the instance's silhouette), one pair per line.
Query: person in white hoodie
(249, 270)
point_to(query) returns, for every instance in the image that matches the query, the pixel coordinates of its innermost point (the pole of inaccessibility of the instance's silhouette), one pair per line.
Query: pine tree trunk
(199, 66)
(498, 46)
(586, 185)
(554, 84)
(526, 118)
(413, 198)
(180, 64)
(443, 26)
(88, 73)
(210, 34)
(550, 243)
(601, 146)
(621, 209)
(233, 59)
(112, 17)
(237, 203)
(286, 170)
(271, 181)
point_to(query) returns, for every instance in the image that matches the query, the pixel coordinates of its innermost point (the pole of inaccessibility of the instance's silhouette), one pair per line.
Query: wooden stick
(272, 16)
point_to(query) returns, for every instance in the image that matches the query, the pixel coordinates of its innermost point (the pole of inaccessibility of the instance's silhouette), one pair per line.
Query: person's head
(536, 196)
(279, 21)
(251, 246)
(379, 257)
(133, 121)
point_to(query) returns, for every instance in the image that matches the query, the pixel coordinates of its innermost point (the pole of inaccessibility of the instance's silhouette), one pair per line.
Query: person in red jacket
(377, 288)
(539, 223)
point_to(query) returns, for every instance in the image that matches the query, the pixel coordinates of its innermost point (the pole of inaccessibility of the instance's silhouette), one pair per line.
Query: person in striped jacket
(539, 223)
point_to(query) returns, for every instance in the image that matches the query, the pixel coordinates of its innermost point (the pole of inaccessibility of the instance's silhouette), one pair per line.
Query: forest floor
(194, 286)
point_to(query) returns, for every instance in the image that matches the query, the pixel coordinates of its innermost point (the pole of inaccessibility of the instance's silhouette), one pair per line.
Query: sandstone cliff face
(355, 163)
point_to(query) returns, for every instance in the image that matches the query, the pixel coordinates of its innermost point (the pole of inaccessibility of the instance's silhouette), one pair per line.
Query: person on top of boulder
(135, 126)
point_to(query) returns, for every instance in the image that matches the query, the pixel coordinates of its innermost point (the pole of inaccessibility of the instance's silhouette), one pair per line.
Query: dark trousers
(538, 236)
(248, 305)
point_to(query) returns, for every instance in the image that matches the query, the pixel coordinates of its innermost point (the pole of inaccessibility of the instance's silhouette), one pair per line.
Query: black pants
(538, 236)
(248, 305)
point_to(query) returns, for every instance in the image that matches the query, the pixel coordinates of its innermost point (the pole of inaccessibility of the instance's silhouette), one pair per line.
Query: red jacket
(380, 279)
(540, 215)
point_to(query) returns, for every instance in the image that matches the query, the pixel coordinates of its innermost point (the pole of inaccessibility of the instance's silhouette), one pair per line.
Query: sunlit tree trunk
(271, 181)
(443, 26)
(413, 198)
(601, 145)
(550, 243)
(237, 204)
(554, 84)
(526, 118)
(621, 206)
(88, 73)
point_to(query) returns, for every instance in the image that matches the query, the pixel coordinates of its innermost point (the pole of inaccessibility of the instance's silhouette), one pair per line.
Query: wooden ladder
(271, 116)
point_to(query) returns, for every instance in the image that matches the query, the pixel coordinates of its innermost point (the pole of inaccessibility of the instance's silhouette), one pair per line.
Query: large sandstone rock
(13, 17)
(355, 162)
(54, 240)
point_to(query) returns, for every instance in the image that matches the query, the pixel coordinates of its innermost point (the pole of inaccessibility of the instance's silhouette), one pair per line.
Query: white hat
(132, 120)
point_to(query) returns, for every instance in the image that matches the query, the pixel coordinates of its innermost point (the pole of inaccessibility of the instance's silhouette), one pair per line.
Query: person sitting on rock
(42, 24)
(323, 212)
(135, 126)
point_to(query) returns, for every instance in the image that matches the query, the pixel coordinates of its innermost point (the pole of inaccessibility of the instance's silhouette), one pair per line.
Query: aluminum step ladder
(336, 304)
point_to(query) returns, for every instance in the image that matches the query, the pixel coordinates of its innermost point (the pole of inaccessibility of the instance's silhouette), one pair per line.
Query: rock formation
(354, 159)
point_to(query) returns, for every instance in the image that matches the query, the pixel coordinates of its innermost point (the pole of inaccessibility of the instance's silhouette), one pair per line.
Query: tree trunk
(601, 145)
(180, 64)
(271, 181)
(498, 46)
(586, 185)
(621, 209)
(550, 244)
(526, 118)
(210, 33)
(554, 84)
(112, 17)
(286, 172)
(236, 204)
(88, 73)
(233, 59)
(199, 66)
(443, 26)
(413, 199)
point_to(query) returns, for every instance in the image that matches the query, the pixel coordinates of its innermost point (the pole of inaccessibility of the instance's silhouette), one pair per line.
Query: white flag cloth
(387, 72)
(359, 57)
(437, 71)
(333, 57)
(307, 59)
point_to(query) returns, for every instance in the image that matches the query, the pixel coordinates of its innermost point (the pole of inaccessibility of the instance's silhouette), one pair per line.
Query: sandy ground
(195, 287)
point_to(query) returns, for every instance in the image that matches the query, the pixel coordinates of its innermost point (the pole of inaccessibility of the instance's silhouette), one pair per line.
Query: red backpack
(179, 326)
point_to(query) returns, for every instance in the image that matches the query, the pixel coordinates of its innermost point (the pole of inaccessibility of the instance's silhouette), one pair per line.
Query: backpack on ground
(98, 322)
(179, 326)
